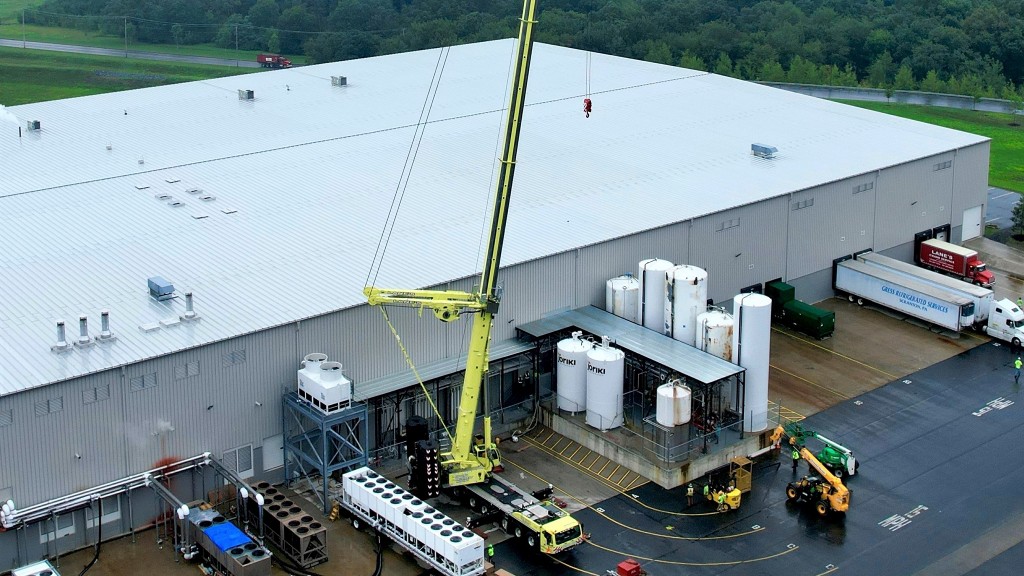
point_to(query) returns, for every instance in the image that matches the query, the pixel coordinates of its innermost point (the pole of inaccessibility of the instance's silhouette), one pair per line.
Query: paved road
(131, 53)
(1000, 207)
(935, 494)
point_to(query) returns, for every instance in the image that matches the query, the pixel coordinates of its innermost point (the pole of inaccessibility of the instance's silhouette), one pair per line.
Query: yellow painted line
(573, 455)
(600, 472)
(557, 442)
(816, 385)
(681, 563)
(545, 441)
(622, 481)
(612, 473)
(829, 571)
(649, 533)
(567, 446)
(617, 489)
(843, 356)
(576, 568)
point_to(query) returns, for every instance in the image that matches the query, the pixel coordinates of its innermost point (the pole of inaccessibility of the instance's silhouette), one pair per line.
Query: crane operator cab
(487, 453)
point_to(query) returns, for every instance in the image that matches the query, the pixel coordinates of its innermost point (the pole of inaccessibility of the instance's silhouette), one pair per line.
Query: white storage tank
(571, 373)
(686, 296)
(651, 308)
(673, 405)
(750, 345)
(714, 333)
(606, 369)
(622, 297)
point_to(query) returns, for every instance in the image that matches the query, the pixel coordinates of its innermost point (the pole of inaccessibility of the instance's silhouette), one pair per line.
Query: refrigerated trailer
(862, 282)
(981, 296)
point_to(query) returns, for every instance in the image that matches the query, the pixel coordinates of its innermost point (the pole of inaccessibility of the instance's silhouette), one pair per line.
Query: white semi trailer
(981, 296)
(373, 501)
(862, 282)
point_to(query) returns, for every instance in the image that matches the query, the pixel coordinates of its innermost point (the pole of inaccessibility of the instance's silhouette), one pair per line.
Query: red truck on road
(955, 261)
(273, 61)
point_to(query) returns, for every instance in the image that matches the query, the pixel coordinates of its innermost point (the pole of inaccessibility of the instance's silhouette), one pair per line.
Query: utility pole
(125, 36)
(22, 27)
(236, 45)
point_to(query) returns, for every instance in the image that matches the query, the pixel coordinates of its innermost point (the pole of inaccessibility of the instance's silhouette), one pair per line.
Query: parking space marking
(612, 473)
(833, 352)
(573, 455)
(555, 445)
(601, 471)
(816, 385)
(567, 446)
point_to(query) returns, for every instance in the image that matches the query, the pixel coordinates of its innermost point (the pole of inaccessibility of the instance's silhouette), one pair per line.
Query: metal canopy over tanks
(651, 309)
(606, 368)
(686, 296)
(673, 405)
(571, 373)
(622, 297)
(750, 345)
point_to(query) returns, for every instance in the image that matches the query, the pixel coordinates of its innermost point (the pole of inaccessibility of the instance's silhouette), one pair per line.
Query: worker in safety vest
(689, 494)
(1016, 370)
(796, 458)
(490, 551)
(721, 502)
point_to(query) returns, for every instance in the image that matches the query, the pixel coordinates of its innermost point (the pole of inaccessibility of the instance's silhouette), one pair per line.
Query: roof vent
(246, 95)
(84, 340)
(160, 289)
(105, 334)
(62, 342)
(32, 125)
(190, 313)
(339, 81)
(763, 150)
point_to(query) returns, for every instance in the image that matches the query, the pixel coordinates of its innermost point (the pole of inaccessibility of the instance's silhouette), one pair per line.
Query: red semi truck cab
(956, 261)
(273, 61)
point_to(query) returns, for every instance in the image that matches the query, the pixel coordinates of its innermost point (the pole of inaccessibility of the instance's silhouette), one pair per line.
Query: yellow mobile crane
(825, 491)
(471, 461)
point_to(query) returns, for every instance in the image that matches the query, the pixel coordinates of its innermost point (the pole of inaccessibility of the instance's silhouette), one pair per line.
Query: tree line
(972, 47)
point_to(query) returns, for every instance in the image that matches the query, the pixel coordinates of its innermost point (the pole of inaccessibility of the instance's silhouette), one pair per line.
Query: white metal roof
(310, 170)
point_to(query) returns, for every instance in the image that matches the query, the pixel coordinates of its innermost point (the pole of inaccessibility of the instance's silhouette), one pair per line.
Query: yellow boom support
(468, 463)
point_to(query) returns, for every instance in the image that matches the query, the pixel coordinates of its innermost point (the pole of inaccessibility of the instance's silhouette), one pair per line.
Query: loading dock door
(972, 223)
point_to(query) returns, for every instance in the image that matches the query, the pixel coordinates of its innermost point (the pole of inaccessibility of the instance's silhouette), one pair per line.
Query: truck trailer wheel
(860, 301)
(1016, 342)
(357, 523)
(822, 508)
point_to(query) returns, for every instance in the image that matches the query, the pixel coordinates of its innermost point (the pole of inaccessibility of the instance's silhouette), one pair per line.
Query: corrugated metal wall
(829, 221)
(741, 246)
(970, 181)
(913, 197)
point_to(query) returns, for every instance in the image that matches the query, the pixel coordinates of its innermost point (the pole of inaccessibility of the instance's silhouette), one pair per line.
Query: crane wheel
(791, 492)
(519, 532)
(472, 503)
(822, 508)
(838, 472)
(504, 524)
(531, 540)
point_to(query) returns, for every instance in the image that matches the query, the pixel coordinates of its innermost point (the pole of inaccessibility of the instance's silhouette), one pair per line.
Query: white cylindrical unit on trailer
(651, 308)
(622, 297)
(673, 406)
(571, 373)
(750, 345)
(686, 296)
(606, 368)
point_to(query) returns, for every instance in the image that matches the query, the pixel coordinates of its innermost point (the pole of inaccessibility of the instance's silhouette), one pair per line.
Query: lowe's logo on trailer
(915, 300)
(595, 369)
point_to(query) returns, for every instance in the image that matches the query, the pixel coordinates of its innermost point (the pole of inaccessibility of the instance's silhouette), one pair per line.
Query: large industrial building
(266, 197)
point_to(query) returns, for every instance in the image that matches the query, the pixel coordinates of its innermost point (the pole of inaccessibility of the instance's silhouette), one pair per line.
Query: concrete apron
(667, 478)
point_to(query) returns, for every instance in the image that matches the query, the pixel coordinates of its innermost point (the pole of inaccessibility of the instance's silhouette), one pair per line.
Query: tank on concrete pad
(606, 368)
(750, 346)
(571, 373)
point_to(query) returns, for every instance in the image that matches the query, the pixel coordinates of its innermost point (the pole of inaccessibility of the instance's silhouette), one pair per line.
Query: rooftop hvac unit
(339, 81)
(160, 289)
(763, 150)
(43, 568)
(33, 125)
(246, 95)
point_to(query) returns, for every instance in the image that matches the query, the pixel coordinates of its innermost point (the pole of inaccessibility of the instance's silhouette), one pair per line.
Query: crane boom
(467, 463)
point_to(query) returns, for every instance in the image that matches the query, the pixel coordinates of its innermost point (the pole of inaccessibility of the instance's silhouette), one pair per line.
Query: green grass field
(1006, 164)
(10, 29)
(35, 76)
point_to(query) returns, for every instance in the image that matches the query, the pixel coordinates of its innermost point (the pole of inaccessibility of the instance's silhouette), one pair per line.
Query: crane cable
(408, 360)
(410, 159)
